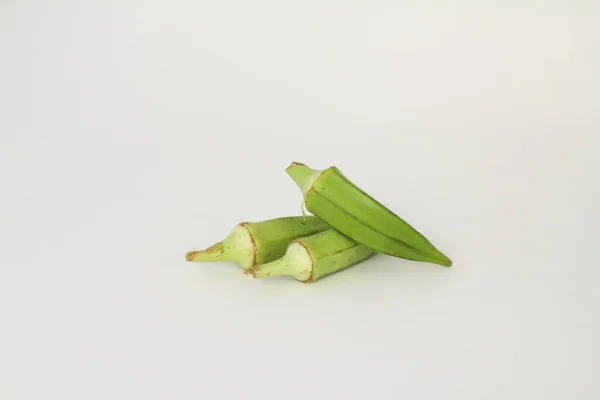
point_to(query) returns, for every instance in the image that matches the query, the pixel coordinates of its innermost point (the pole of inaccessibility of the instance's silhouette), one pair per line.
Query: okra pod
(331, 196)
(311, 258)
(253, 243)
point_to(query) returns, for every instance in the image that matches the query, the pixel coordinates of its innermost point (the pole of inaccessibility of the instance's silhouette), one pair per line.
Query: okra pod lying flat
(311, 258)
(253, 243)
(331, 196)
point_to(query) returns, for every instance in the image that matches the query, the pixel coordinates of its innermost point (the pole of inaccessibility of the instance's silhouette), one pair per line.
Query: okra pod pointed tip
(438, 258)
(442, 259)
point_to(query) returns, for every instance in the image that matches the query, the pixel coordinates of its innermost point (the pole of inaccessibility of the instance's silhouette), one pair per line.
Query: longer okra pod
(331, 196)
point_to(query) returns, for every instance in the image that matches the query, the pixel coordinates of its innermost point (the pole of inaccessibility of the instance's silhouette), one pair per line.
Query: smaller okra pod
(253, 243)
(310, 258)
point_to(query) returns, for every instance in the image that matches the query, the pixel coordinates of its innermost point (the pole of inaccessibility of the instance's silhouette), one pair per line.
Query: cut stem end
(302, 175)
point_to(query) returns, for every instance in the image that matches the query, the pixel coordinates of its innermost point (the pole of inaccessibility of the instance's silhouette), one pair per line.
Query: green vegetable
(311, 258)
(253, 243)
(329, 195)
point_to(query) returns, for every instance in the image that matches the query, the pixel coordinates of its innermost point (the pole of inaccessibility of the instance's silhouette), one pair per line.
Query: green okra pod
(311, 258)
(253, 243)
(331, 196)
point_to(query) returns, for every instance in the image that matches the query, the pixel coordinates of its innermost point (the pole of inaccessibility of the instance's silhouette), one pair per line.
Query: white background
(133, 132)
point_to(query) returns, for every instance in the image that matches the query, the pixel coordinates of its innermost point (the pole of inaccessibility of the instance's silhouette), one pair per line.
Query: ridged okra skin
(253, 243)
(311, 258)
(272, 237)
(332, 197)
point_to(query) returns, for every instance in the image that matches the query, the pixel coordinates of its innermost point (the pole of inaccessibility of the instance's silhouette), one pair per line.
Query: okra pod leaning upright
(311, 258)
(253, 243)
(329, 195)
